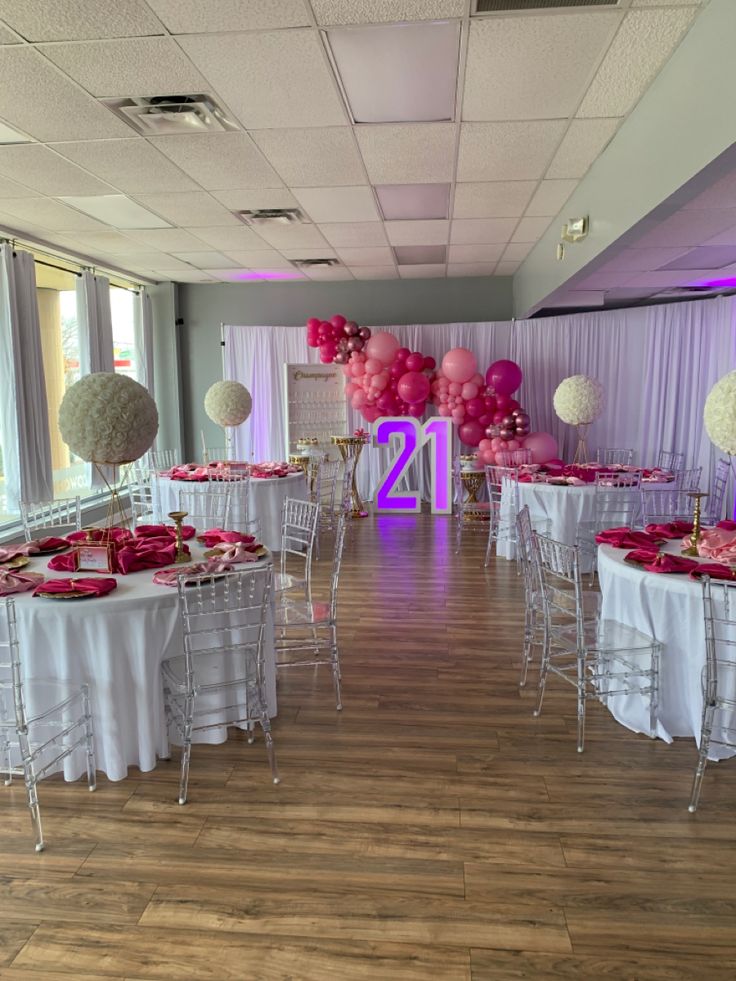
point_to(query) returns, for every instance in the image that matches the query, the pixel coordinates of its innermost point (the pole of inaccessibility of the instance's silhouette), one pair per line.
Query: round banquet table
(670, 608)
(115, 644)
(558, 509)
(266, 499)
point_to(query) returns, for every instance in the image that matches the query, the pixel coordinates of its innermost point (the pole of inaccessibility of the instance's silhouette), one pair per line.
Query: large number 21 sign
(410, 436)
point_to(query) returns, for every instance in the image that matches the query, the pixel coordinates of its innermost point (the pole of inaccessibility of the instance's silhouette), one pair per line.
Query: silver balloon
(341, 358)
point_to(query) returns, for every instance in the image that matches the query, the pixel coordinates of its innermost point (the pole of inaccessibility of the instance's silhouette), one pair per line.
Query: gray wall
(203, 308)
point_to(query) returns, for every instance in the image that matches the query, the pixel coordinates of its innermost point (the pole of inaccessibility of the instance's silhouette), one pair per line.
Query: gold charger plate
(73, 595)
(214, 553)
(17, 563)
(61, 548)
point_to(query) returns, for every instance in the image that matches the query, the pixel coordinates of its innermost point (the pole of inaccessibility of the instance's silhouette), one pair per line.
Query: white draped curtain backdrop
(657, 365)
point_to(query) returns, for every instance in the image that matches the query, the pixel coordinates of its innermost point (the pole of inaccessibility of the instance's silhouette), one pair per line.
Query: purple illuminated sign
(410, 436)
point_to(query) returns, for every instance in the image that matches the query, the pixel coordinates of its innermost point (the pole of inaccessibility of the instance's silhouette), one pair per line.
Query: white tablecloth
(670, 608)
(267, 496)
(115, 643)
(555, 509)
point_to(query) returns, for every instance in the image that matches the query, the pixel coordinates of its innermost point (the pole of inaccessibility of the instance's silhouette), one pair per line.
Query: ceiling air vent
(504, 6)
(270, 216)
(165, 115)
(315, 263)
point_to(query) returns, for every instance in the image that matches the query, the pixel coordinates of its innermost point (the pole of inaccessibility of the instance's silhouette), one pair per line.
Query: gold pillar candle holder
(350, 448)
(692, 549)
(178, 518)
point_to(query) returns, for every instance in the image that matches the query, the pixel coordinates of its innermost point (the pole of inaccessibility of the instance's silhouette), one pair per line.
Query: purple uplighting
(727, 283)
(259, 275)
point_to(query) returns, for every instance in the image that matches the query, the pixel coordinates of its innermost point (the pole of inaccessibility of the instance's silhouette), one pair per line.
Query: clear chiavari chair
(63, 515)
(306, 632)
(616, 504)
(718, 677)
(664, 506)
(713, 509)
(502, 486)
(207, 506)
(141, 495)
(469, 515)
(610, 456)
(688, 479)
(239, 517)
(600, 659)
(298, 534)
(219, 679)
(41, 721)
(163, 459)
(670, 460)
(323, 482)
(216, 454)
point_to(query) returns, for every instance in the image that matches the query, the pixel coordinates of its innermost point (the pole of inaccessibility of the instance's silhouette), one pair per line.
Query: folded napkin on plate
(716, 543)
(189, 473)
(97, 587)
(626, 538)
(162, 531)
(142, 553)
(237, 551)
(36, 546)
(216, 535)
(673, 529)
(63, 563)
(713, 569)
(168, 577)
(662, 562)
(18, 582)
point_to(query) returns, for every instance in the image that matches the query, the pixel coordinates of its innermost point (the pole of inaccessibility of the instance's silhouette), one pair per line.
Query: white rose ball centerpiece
(719, 414)
(228, 404)
(578, 401)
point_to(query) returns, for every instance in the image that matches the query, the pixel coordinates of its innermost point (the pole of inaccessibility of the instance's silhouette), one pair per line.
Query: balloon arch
(385, 379)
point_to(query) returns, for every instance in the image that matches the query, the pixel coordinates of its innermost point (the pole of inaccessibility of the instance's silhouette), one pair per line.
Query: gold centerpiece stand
(178, 518)
(300, 460)
(350, 448)
(697, 497)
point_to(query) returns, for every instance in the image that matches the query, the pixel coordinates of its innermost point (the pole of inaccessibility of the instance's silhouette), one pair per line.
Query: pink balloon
(478, 379)
(458, 415)
(459, 364)
(338, 321)
(382, 346)
(313, 323)
(469, 390)
(373, 366)
(542, 445)
(415, 362)
(429, 364)
(371, 413)
(471, 433)
(350, 389)
(513, 444)
(497, 443)
(504, 376)
(402, 354)
(455, 388)
(488, 457)
(485, 418)
(497, 417)
(325, 357)
(358, 399)
(380, 380)
(485, 444)
(503, 403)
(357, 368)
(555, 464)
(445, 410)
(416, 409)
(474, 407)
(346, 371)
(413, 386)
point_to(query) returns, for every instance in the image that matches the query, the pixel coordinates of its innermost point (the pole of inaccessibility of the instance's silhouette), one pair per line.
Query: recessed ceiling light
(116, 210)
(417, 255)
(398, 72)
(415, 201)
(10, 135)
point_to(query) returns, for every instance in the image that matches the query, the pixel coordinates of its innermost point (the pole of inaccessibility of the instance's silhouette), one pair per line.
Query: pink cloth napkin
(188, 473)
(63, 563)
(626, 538)
(716, 543)
(37, 546)
(18, 582)
(97, 587)
(713, 569)
(145, 553)
(217, 535)
(673, 529)
(273, 468)
(654, 561)
(727, 525)
(168, 577)
(162, 531)
(237, 552)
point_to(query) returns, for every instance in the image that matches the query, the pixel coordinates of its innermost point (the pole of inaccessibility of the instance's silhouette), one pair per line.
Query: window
(122, 308)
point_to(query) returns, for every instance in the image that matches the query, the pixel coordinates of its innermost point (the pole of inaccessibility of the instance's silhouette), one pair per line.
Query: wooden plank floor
(432, 831)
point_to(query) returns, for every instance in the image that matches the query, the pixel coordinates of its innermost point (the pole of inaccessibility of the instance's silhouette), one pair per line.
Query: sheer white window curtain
(143, 339)
(95, 338)
(24, 420)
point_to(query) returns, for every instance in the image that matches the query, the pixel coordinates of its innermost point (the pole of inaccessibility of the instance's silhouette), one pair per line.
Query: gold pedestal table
(350, 448)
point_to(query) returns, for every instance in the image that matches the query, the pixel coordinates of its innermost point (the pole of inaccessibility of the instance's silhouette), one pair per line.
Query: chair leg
(335, 659)
(89, 740)
(708, 713)
(654, 693)
(543, 670)
(186, 749)
(458, 533)
(268, 738)
(526, 654)
(31, 789)
(581, 702)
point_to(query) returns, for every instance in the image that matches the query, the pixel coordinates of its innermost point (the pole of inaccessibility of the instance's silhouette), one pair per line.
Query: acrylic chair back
(164, 459)
(562, 591)
(670, 460)
(51, 515)
(609, 456)
(500, 482)
(337, 563)
(216, 454)
(714, 502)
(207, 506)
(688, 479)
(141, 494)
(298, 532)
(664, 506)
(617, 501)
(528, 552)
(238, 486)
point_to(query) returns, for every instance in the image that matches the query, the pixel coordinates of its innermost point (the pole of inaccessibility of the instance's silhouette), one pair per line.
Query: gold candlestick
(178, 517)
(695, 534)
(351, 447)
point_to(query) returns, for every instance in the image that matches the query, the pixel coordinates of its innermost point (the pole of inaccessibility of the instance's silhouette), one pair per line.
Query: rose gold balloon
(508, 422)
(351, 328)
(506, 434)
(364, 333)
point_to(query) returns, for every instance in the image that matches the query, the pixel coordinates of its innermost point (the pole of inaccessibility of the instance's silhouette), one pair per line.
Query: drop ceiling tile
(722, 194)
(260, 259)
(11, 189)
(381, 11)
(666, 278)
(328, 273)
(92, 243)
(165, 239)
(471, 269)
(207, 260)
(190, 210)
(338, 203)
(667, 3)
(247, 199)
(322, 252)
(46, 172)
(431, 270)
(550, 197)
(530, 229)
(506, 268)
(584, 141)
(40, 20)
(420, 255)
(521, 68)
(516, 251)
(481, 231)
(219, 161)
(257, 275)
(406, 153)
(7, 36)
(347, 234)
(689, 228)
(603, 280)
(476, 253)
(312, 157)
(131, 165)
(406, 202)
(230, 239)
(38, 99)
(644, 42)
(185, 17)
(727, 237)
(278, 78)
(492, 199)
(128, 66)
(177, 276)
(379, 255)
(707, 256)
(374, 272)
(641, 260)
(507, 151)
(292, 236)
(418, 232)
(50, 214)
